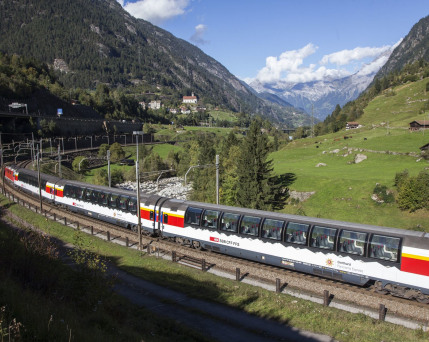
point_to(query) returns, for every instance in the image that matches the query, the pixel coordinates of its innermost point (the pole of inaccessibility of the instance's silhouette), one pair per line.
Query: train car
(394, 260)
(28, 181)
(10, 173)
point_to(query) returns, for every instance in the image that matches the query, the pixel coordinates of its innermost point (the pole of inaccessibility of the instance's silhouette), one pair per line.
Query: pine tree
(255, 190)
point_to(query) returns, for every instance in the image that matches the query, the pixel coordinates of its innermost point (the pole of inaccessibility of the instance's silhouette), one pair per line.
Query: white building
(190, 99)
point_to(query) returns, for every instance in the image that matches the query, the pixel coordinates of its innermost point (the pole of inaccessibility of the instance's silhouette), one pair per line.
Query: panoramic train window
(323, 237)
(132, 205)
(103, 199)
(272, 229)
(87, 194)
(250, 225)
(229, 222)
(94, 196)
(210, 218)
(193, 216)
(113, 201)
(384, 247)
(80, 192)
(122, 203)
(297, 232)
(352, 242)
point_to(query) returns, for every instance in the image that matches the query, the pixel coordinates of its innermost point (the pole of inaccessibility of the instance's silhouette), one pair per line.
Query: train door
(158, 223)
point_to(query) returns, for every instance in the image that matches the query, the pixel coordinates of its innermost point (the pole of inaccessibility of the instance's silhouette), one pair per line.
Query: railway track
(285, 280)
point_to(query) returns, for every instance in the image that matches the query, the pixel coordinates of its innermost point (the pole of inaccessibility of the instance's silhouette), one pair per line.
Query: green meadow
(342, 188)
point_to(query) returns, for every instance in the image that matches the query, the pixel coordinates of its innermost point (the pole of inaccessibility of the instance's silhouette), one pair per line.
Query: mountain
(414, 46)
(97, 41)
(321, 97)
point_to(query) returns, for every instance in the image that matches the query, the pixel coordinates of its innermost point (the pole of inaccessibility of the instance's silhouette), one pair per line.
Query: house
(190, 99)
(154, 104)
(352, 125)
(417, 125)
(142, 104)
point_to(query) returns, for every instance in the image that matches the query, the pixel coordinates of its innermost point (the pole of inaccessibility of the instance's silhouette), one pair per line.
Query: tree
(102, 151)
(116, 152)
(80, 164)
(255, 190)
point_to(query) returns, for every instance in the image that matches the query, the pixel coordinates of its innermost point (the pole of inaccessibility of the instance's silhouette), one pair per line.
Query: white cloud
(290, 65)
(198, 36)
(347, 56)
(155, 11)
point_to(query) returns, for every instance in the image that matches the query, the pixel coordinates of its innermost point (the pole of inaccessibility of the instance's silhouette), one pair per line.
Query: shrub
(384, 194)
(400, 177)
(413, 193)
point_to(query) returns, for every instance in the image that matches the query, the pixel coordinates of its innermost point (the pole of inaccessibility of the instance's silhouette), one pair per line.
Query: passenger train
(395, 261)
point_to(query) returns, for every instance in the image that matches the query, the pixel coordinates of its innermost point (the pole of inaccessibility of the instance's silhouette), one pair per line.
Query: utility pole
(108, 168)
(59, 160)
(217, 179)
(312, 120)
(39, 180)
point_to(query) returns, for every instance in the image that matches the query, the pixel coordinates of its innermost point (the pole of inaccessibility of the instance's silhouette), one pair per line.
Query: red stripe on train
(415, 266)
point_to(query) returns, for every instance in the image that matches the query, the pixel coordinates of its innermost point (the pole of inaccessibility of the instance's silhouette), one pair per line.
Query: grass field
(343, 188)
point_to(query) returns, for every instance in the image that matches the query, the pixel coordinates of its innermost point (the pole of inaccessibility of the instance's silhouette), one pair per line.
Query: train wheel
(196, 245)
(378, 287)
(134, 228)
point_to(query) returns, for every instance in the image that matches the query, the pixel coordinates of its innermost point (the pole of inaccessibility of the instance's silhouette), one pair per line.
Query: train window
(323, 237)
(193, 216)
(122, 203)
(94, 196)
(132, 205)
(297, 232)
(250, 225)
(352, 242)
(384, 247)
(69, 191)
(103, 198)
(272, 229)
(87, 194)
(229, 222)
(210, 218)
(80, 192)
(113, 201)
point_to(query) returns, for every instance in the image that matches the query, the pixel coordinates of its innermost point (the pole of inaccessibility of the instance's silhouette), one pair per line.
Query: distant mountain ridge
(323, 95)
(97, 41)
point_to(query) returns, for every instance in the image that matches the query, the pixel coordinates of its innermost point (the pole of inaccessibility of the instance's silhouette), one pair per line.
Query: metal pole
(108, 168)
(39, 181)
(59, 160)
(50, 144)
(41, 149)
(75, 143)
(138, 194)
(217, 179)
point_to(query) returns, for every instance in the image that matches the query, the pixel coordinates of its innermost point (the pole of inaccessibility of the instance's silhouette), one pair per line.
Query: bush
(400, 177)
(413, 193)
(383, 193)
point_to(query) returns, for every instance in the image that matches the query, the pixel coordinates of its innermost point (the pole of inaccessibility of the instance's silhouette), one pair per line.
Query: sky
(286, 40)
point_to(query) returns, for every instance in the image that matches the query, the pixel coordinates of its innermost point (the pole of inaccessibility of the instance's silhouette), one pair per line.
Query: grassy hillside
(343, 188)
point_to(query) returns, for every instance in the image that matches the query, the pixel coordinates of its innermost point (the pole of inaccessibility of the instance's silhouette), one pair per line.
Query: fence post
(277, 285)
(203, 265)
(173, 256)
(108, 235)
(127, 242)
(77, 224)
(92, 230)
(65, 221)
(237, 274)
(55, 217)
(381, 312)
(325, 298)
